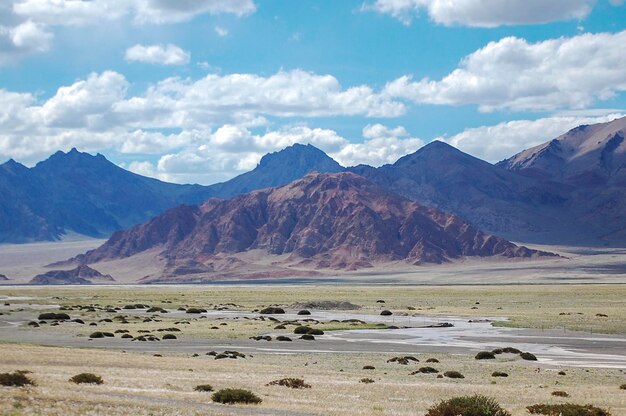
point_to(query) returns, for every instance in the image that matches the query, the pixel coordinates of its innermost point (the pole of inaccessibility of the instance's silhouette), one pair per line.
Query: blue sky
(198, 91)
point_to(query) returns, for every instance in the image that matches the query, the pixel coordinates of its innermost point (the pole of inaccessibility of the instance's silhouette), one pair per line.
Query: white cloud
(484, 13)
(222, 32)
(89, 12)
(382, 145)
(158, 54)
(25, 38)
(501, 141)
(513, 74)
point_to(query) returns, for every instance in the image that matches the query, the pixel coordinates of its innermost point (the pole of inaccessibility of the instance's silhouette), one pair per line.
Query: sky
(197, 91)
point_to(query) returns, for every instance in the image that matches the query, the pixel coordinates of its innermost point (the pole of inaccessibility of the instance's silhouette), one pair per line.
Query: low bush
(528, 356)
(453, 374)
(499, 374)
(560, 393)
(369, 367)
(304, 312)
(622, 387)
(299, 330)
(308, 337)
(566, 409)
(485, 355)
(86, 378)
(126, 336)
(315, 331)
(292, 383)
(54, 316)
(282, 338)
(386, 313)
(432, 360)
(272, 311)
(168, 336)
(230, 396)
(16, 379)
(511, 350)
(366, 380)
(280, 327)
(468, 406)
(425, 370)
(196, 310)
(203, 387)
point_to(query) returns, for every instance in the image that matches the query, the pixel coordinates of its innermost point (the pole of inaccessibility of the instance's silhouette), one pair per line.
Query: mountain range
(567, 191)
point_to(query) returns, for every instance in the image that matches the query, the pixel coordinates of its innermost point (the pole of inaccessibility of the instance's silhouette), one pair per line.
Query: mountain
(492, 199)
(322, 221)
(85, 194)
(78, 192)
(590, 161)
(279, 168)
(81, 275)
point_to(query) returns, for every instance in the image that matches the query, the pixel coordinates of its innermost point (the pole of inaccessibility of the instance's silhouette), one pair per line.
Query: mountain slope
(279, 168)
(337, 221)
(498, 201)
(591, 162)
(82, 193)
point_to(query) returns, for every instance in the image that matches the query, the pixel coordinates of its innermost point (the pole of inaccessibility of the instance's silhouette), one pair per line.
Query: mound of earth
(336, 305)
(81, 275)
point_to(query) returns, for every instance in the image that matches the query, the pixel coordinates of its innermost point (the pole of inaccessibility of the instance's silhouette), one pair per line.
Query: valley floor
(575, 329)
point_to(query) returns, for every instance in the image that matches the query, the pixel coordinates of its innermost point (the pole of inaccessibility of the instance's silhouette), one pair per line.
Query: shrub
(560, 393)
(369, 367)
(292, 383)
(426, 370)
(204, 387)
(366, 380)
(497, 351)
(468, 406)
(304, 312)
(308, 337)
(299, 330)
(169, 336)
(528, 356)
(485, 355)
(566, 409)
(432, 360)
(562, 373)
(622, 387)
(315, 331)
(499, 374)
(196, 310)
(272, 311)
(282, 338)
(16, 379)
(127, 336)
(453, 374)
(511, 350)
(54, 316)
(386, 313)
(86, 378)
(97, 334)
(280, 327)
(230, 396)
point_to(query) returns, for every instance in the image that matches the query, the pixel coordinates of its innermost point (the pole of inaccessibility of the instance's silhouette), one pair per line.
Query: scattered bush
(127, 336)
(196, 310)
(497, 351)
(425, 370)
(86, 378)
(54, 316)
(16, 379)
(403, 360)
(432, 360)
(386, 313)
(308, 337)
(453, 374)
(528, 356)
(230, 396)
(169, 336)
(485, 355)
(315, 331)
(468, 406)
(622, 387)
(499, 374)
(566, 409)
(560, 393)
(99, 334)
(562, 373)
(282, 338)
(292, 383)
(369, 367)
(511, 350)
(203, 387)
(366, 380)
(304, 312)
(156, 309)
(299, 330)
(272, 311)
(280, 327)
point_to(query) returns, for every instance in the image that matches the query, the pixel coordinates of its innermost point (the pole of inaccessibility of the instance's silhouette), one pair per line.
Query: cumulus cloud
(158, 54)
(484, 13)
(501, 141)
(513, 74)
(382, 145)
(23, 39)
(88, 12)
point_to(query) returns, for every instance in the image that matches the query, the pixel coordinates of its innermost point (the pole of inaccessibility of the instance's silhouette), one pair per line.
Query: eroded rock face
(81, 275)
(337, 221)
